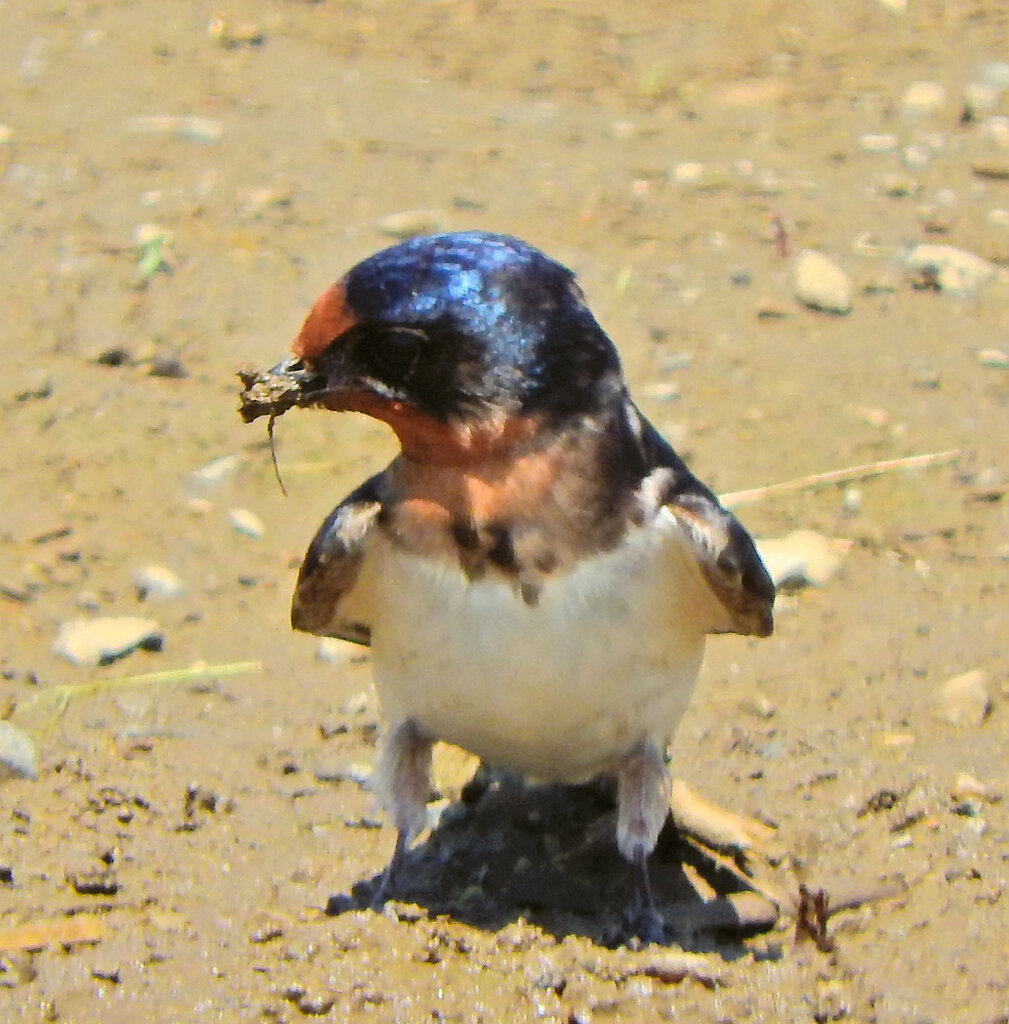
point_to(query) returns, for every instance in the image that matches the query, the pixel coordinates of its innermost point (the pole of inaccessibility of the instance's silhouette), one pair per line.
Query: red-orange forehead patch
(327, 320)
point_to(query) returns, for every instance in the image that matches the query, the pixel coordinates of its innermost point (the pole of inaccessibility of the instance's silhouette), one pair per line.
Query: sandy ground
(176, 858)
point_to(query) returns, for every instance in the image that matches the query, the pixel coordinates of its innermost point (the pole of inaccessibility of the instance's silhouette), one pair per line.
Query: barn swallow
(537, 570)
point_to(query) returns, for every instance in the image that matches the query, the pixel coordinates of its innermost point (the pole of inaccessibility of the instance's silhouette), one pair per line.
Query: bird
(537, 570)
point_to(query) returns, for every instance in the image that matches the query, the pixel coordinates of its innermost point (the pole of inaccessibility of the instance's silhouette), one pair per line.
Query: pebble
(155, 582)
(992, 169)
(967, 787)
(332, 651)
(921, 99)
(947, 268)
(247, 523)
(821, 284)
(980, 98)
(408, 223)
(688, 173)
(877, 143)
(994, 357)
(359, 774)
(916, 157)
(662, 390)
(994, 73)
(90, 642)
(964, 700)
(35, 385)
(230, 35)
(184, 126)
(215, 472)
(802, 558)
(18, 757)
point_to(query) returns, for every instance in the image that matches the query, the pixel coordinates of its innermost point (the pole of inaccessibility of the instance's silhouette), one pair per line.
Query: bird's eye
(393, 352)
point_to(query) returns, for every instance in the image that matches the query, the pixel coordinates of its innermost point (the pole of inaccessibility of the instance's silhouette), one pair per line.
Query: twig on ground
(733, 499)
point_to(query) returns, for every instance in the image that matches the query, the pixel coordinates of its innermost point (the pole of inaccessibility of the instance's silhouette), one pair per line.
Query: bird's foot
(642, 918)
(643, 926)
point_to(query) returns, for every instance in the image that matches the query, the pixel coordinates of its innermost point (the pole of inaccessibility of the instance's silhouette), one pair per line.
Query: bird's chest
(516, 519)
(557, 688)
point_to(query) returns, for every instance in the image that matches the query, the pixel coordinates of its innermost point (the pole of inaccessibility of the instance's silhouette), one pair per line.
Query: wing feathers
(331, 567)
(725, 551)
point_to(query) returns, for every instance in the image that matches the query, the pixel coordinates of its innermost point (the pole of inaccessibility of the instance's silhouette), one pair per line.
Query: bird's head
(458, 341)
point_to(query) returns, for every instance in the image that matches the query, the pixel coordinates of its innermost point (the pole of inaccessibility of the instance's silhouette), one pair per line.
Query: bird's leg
(642, 805)
(402, 784)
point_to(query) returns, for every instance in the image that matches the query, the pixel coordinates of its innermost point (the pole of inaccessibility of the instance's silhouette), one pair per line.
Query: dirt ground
(177, 183)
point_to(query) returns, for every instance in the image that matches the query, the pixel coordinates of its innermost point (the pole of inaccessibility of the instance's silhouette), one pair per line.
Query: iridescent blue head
(461, 325)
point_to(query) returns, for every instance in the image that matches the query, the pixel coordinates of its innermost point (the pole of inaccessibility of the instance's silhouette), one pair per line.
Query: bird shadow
(547, 854)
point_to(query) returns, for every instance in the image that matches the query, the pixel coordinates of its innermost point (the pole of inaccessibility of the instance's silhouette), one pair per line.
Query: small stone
(688, 173)
(359, 774)
(994, 73)
(315, 1004)
(946, 268)
(247, 523)
(851, 501)
(877, 143)
(662, 390)
(155, 582)
(90, 642)
(802, 558)
(771, 309)
(916, 157)
(967, 787)
(231, 35)
(980, 98)
(18, 757)
(409, 223)
(332, 650)
(995, 169)
(922, 99)
(821, 284)
(36, 385)
(963, 700)
(184, 126)
(215, 472)
(114, 355)
(993, 357)
(897, 186)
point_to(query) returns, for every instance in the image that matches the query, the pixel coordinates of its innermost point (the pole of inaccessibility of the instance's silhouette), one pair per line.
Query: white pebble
(215, 472)
(157, 583)
(409, 223)
(994, 73)
(951, 269)
(89, 642)
(247, 523)
(802, 558)
(916, 157)
(688, 173)
(993, 357)
(851, 501)
(332, 650)
(995, 129)
(877, 143)
(980, 97)
(183, 126)
(922, 98)
(18, 757)
(963, 700)
(821, 284)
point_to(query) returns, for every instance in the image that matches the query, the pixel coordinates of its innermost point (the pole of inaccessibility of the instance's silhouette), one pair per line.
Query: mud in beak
(285, 386)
